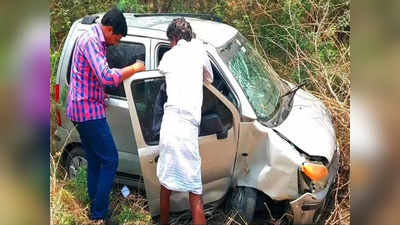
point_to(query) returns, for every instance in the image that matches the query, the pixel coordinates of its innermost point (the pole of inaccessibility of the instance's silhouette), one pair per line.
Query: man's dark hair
(117, 20)
(179, 29)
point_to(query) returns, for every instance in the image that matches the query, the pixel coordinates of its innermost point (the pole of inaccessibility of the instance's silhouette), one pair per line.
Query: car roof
(155, 26)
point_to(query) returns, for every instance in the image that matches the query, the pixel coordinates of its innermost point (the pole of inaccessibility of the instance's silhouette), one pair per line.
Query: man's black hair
(117, 20)
(179, 29)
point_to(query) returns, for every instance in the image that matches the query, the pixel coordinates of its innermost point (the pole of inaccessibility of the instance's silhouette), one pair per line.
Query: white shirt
(185, 66)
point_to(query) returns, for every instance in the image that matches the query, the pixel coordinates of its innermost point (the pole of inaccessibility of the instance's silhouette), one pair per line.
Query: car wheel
(75, 160)
(242, 202)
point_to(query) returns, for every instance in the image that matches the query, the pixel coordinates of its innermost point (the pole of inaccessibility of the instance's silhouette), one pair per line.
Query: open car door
(217, 139)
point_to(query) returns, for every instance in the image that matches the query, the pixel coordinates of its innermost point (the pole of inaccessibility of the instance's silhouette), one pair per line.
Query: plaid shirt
(89, 74)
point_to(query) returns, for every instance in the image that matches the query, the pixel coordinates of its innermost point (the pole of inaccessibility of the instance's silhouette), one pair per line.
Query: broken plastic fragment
(125, 191)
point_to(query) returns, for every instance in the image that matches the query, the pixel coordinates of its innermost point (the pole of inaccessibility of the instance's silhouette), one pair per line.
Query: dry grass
(66, 209)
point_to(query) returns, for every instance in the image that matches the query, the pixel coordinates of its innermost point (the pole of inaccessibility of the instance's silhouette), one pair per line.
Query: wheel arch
(68, 148)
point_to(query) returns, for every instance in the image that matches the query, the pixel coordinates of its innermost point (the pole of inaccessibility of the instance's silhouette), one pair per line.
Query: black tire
(242, 203)
(75, 159)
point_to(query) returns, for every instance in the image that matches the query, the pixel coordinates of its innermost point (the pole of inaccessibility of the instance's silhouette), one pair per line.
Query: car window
(70, 61)
(212, 105)
(121, 55)
(256, 78)
(220, 84)
(149, 97)
(145, 94)
(69, 66)
(161, 50)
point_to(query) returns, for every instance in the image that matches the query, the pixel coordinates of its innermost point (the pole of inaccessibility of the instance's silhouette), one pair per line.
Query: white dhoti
(179, 165)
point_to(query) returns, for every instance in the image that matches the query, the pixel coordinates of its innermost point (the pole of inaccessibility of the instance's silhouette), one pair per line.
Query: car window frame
(70, 53)
(158, 46)
(121, 85)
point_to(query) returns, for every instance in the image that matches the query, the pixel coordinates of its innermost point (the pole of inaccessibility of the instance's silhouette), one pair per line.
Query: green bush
(127, 215)
(132, 6)
(78, 186)
(65, 218)
(64, 13)
(54, 58)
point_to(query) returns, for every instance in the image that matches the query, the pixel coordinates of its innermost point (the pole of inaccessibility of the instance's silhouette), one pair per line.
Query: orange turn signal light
(315, 172)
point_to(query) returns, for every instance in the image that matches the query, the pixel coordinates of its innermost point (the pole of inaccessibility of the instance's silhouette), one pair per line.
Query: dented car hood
(309, 126)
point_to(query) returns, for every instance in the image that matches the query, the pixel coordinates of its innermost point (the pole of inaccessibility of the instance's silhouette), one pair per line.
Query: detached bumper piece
(304, 209)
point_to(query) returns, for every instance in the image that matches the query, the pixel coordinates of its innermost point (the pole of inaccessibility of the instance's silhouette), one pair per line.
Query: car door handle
(155, 159)
(223, 134)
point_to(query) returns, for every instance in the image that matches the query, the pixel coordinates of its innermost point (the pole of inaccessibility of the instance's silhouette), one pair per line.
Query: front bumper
(305, 207)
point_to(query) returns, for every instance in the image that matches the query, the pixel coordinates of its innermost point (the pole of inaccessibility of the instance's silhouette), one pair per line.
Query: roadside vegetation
(303, 40)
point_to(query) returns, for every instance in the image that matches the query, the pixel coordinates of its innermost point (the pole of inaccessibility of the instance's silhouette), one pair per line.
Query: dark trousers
(102, 157)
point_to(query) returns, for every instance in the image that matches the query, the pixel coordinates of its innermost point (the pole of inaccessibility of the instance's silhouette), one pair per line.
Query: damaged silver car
(262, 139)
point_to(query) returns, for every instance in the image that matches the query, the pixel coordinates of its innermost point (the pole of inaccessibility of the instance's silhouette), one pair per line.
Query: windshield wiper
(293, 90)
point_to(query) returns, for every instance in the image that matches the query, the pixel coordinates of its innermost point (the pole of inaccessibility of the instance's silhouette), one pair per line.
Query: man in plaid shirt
(85, 104)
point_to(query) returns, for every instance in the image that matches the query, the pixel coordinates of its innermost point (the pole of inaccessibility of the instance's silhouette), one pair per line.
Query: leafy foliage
(131, 6)
(128, 216)
(64, 13)
(54, 58)
(78, 186)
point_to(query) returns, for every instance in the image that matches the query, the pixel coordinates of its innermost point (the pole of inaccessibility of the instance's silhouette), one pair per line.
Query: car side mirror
(212, 124)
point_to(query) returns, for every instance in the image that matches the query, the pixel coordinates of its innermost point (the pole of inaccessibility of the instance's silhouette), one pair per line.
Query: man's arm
(98, 63)
(207, 69)
(207, 76)
(132, 69)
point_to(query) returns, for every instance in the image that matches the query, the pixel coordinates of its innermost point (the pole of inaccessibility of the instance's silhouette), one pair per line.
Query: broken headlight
(313, 177)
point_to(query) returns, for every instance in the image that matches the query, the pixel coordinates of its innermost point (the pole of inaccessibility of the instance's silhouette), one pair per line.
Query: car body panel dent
(271, 164)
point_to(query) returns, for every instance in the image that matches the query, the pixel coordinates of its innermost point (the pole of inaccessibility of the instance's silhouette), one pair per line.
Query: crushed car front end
(269, 163)
(287, 146)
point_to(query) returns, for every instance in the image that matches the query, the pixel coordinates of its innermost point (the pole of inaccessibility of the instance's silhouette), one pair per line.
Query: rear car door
(129, 50)
(217, 150)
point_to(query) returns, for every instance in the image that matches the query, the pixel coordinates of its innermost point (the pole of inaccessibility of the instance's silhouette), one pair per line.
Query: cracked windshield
(256, 81)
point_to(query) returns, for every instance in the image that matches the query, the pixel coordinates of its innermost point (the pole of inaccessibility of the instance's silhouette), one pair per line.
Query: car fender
(266, 162)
